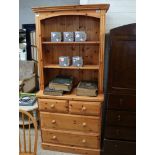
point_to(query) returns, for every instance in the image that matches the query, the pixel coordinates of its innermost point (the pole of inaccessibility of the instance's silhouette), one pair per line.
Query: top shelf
(71, 43)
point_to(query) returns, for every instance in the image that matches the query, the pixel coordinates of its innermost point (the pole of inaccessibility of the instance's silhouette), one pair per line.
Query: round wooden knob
(120, 101)
(115, 145)
(52, 105)
(84, 124)
(119, 117)
(83, 141)
(53, 121)
(83, 108)
(54, 137)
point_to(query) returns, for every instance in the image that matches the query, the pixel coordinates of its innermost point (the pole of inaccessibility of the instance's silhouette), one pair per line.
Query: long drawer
(120, 133)
(122, 102)
(85, 108)
(121, 118)
(115, 147)
(70, 122)
(53, 105)
(70, 138)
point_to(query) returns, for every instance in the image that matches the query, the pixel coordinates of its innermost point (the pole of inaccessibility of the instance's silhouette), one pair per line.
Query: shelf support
(39, 48)
(101, 51)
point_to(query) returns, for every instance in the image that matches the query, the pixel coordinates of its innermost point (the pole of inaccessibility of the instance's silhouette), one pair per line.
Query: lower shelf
(70, 149)
(89, 67)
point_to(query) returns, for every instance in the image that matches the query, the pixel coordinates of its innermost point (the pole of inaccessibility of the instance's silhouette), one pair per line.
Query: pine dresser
(71, 123)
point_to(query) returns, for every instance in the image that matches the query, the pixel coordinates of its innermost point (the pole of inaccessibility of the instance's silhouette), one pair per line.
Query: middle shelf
(71, 43)
(87, 67)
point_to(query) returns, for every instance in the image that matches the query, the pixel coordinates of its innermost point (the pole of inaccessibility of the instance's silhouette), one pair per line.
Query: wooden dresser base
(76, 150)
(71, 123)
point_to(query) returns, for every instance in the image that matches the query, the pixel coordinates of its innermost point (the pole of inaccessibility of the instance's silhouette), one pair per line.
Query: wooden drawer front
(85, 108)
(121, 133)
(121, 118)
(122, 102)
(70, 122)
(114, 147)
(70, 138)
(53, 105)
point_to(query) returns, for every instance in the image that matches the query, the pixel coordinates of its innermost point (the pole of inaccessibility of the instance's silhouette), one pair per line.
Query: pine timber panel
(39, 48)
(77, 74)
(101, 53)
(46, 15)
(72, 7)
(71, 149)
(66, 121)
(70, 138)
(72, 96)
(53, 105)
(85, 108)
(70, 122)
(71, 43)
(71, 24)
(89, 53)
(87, 67)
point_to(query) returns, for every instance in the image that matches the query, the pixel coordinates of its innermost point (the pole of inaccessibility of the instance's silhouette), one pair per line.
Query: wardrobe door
(122, 71)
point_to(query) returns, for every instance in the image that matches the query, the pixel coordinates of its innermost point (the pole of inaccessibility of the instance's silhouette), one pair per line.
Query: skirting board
(70, 149)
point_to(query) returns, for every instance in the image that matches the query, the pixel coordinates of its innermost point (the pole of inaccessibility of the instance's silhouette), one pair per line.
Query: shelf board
(72, 96)
(71, 43)
(87, 67)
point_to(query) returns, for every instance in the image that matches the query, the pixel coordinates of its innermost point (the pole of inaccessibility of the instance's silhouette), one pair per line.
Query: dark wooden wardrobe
(120, 95)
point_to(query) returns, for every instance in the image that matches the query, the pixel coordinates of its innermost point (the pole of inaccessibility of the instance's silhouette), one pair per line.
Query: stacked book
(87, 88)
(58, 85)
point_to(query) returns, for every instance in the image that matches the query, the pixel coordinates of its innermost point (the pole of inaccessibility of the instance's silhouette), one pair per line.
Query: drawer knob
(84, 108)
(84, 124)
(119, 117)
(54, 137)
(53, 121)
(121, 101)
(52, 105)
(115, 145)
(83, 141)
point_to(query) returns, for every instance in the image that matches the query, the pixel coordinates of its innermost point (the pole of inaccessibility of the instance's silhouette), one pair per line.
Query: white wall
(121, 12)
(26, 16)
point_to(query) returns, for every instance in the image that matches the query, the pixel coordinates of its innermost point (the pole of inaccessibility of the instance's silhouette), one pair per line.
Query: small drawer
(122, 102)
(85, 108)
(121, 118)
(120, 133)
(70, 122)
(53, 105)
(115, 147)
(70, 138)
